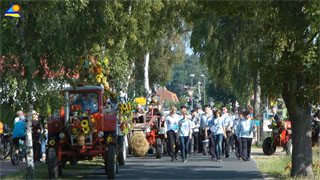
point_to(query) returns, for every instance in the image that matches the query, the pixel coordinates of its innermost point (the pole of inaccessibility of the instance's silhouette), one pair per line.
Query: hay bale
(139, 144)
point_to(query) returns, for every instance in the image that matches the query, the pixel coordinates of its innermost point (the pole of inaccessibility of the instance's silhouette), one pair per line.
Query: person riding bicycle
(18, 133)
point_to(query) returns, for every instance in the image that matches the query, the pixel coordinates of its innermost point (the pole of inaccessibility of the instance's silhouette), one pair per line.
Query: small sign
(257, 122)
(141, 101)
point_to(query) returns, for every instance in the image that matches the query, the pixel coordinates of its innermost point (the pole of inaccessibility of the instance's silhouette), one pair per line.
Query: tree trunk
(257, 102)
(146, 75)
(29, 145)
(301, 133)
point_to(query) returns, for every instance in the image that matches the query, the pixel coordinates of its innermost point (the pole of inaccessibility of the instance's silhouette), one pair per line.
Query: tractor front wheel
(111, 162)
(54, 171)
(267, 146)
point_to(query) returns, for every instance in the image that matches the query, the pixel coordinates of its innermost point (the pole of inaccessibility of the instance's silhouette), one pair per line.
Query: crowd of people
(215, 132)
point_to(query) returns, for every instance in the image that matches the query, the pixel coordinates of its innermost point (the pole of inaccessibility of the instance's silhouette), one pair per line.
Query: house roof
(167, 95)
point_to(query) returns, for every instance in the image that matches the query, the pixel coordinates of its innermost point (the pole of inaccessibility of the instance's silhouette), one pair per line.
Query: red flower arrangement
(76, 108)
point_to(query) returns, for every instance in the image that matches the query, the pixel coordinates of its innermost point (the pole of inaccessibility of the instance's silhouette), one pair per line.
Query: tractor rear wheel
(53, 163)
(267, 146)
(111, 162)
(159, 149)
(289, 147)
(122, 151)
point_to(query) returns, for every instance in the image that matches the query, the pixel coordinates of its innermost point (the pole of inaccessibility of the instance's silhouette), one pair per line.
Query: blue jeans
(43, 143)
(184, 140)
(218, 141)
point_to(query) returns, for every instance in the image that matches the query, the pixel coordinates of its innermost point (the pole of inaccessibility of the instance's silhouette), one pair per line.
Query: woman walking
(219, 133)
(184, 134)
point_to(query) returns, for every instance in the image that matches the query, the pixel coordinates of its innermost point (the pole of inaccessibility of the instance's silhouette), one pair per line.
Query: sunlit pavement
(197, 167)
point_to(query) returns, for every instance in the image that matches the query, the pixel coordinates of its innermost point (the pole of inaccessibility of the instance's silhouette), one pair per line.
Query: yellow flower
(52, 142)
(86, 130)
(92, 119)
(84, 123)
(74, 131)
(104, 79)
(106, 61)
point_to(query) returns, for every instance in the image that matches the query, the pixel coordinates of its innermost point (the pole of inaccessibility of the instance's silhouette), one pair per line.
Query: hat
(245, 113)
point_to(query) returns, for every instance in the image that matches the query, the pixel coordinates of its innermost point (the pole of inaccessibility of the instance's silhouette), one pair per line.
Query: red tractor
(153, 128)
(281, 136)
(85, 129)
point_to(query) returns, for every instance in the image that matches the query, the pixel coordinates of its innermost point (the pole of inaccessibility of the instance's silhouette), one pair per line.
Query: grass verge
(276, 166)
(69, 172)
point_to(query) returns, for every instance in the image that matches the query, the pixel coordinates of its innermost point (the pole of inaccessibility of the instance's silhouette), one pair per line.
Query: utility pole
(192, 76)
(199, 93)
(204, 89)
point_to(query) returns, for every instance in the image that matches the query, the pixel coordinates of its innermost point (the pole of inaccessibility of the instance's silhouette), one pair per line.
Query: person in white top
(228, 125)
(20, 117)
(245, 131)
(185, 134)
(204, 129)
(171, 128)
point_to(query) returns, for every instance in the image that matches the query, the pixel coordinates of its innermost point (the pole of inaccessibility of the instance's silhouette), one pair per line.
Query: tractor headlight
(100, 133)
(62, 135)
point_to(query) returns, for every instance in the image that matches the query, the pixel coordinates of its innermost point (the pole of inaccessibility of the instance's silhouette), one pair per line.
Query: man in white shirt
(204, 128)
(228, 124)
(171, 128)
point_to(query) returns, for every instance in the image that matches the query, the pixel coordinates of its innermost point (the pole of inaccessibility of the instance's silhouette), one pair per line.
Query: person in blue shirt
(185, 134)
(211, 130)
(219, 132)
(245, 132)
(18, 133)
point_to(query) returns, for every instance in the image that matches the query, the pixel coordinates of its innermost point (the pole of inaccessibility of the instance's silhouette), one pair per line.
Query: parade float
(90, 123)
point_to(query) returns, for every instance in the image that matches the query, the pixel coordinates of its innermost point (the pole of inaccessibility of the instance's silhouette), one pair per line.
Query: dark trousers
(246, 147)
(201, 138)
(212, 145)
(237, 146)
(172, 139)
(227, 143)
(196, 141)
(184, 140)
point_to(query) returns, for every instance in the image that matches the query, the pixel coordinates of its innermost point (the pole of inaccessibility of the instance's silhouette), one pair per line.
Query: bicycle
(16, 157)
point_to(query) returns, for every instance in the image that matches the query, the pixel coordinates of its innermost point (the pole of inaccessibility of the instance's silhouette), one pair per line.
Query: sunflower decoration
(85, 126)
(125, 114)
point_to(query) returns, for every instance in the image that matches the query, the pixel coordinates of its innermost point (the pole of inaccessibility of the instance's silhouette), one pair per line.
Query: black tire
(53, 163)
(122, 156)
(5, 149)
(289, 147)
(266, 147)
(159, 149)
(165, 147)
(111, 162)
(14, 156)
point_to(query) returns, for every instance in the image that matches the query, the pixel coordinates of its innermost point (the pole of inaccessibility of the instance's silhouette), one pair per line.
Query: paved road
(197, 167)
(7, 168)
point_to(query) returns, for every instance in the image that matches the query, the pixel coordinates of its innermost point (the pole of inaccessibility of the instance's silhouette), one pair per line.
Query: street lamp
(192, 76)
(204, 89)
(199, 93)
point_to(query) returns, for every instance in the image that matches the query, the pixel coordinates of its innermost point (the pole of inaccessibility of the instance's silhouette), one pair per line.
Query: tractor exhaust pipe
(66, 114)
